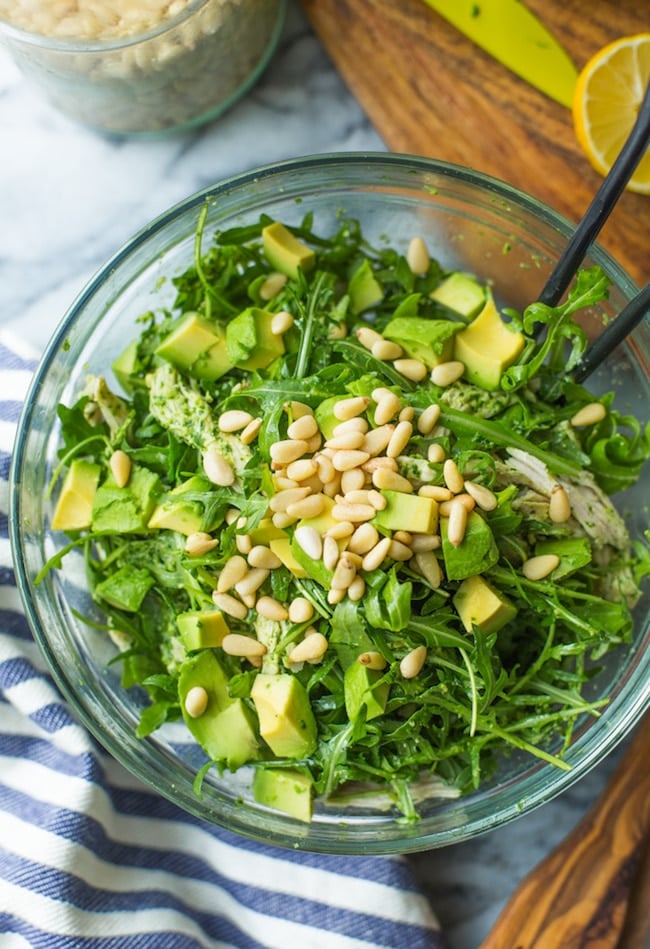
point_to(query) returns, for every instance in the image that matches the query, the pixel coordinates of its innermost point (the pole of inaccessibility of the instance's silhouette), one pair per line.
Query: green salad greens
(351, 522)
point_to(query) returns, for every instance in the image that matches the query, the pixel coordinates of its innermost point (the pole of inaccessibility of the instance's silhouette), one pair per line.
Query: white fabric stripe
(273, 873)
(4, 496)
(17, 346)
(13, 648)
(10, 599)
(15, 383)
(7, 436)
(198, 895)
(5, 552)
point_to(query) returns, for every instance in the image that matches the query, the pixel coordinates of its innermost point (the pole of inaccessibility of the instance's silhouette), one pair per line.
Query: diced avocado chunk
(479, 604)
(315, 569)
(407, 512)
(285, 252)
(461, 293)
(125, 365)
(477, 552)
(226, 730)
(430, 341)
(266, 531)
(360, 690)
(201, 629)
(287, 723)
(179, 511)
(324, 415)
(74, 508)
(284, 790)
(364, 289)
(197, 346)
(281, 547)
(574, 553)
(126, 588)
(251, 344)
(126, 510)
(487, 347)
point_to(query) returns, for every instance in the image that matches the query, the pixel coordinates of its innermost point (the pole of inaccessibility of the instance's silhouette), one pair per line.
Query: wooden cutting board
(430, 91)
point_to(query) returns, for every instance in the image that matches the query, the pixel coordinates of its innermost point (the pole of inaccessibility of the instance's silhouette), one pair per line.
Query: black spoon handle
(600, 207)
(613, 334)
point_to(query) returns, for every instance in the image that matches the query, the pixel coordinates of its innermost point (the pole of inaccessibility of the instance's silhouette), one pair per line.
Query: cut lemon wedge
(606, 102)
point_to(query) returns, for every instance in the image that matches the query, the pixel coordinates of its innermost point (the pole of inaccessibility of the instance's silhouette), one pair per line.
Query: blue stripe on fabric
(37, 939)
(10, 410)
(11, 360)
(14, 624)
(5, 464)
(18, 670)
(83, 829)
(7, 577)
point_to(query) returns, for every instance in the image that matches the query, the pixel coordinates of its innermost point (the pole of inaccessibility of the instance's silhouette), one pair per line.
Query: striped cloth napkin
(91, 858)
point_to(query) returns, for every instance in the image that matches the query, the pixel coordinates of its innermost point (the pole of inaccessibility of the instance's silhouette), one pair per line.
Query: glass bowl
(142, 70)
(469, 222)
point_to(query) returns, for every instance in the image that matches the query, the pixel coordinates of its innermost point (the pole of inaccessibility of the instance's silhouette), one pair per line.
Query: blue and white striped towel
(89, 857)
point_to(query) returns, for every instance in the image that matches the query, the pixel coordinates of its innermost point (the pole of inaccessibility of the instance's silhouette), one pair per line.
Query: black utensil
(613, 334)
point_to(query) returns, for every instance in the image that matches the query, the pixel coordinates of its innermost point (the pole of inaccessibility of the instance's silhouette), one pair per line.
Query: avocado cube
(324, 415)
(282, 548)
(197, 346)
(407, 512)
(251, 343)
(285, 252)
(284, 790)
(574, 553)
(201, 629)
(178, 513)
(266, 531)
(125, 365)
(316, 569)
(74, 508)
(364, 289)
(479, 605)
(360, 690)
(287, 723)
(487, 347)
(461, 293)
(126, 588)
(126, 510)
(476, 554)
(430, 341)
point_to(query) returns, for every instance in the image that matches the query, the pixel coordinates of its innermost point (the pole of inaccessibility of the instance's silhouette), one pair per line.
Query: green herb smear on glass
(351, 524)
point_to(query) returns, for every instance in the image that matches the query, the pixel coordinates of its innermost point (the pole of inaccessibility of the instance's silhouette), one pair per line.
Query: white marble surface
(70, 197)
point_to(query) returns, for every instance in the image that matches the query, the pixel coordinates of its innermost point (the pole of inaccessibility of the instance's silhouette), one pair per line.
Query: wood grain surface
(577, 898)
(430, 91)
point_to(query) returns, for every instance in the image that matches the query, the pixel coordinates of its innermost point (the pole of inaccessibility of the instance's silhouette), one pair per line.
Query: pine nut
(281, 323)
(485, 498)
(413, 369)
(436, 492)
(340, 530)
(261, 556)
(367, 336)
(391, 481)
(234, 420)
(199, 543)
(333, 487)
(251, 431)
(412, 663)
(326, 471)
(300, 610)
(536, 568)
(364, 539)
(272, 286)
(231, 515)
(236, 644)
(404, 537)
(457, 523)
(388, 406)
(428, 419)
(407, 414)
(372, 660)
(356, 589)
(424, 542)
(377, 500)
(234, 570)
(244, 543)
(436, 453)
(281, 501)
(559, 508)
(252, 581)
(356, 513)
(375, 557)
(281, 520)
(349, 408)
(302, 469)
(330, 552)
(399, 439)
(380, 461)
(429, 567)
(309, 540)
(347, 459)
(354, 496)
(298, 409)
(589, 414)
(229, 605)
(335, 596)
(314, 443)
(398, 551)
(417, 256)
(288, 450)
(303, 428)
(453, 478)
(217, 468)
(337, 331)
(356, 424)
(311, 649)
(445, 373)
(271, 608)
(310, 506)
(348, 441)
(249, 599)
(384, 350)
(466, 500)
(120, 467)
(196, 701)
(352, 480)
(344, 573)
